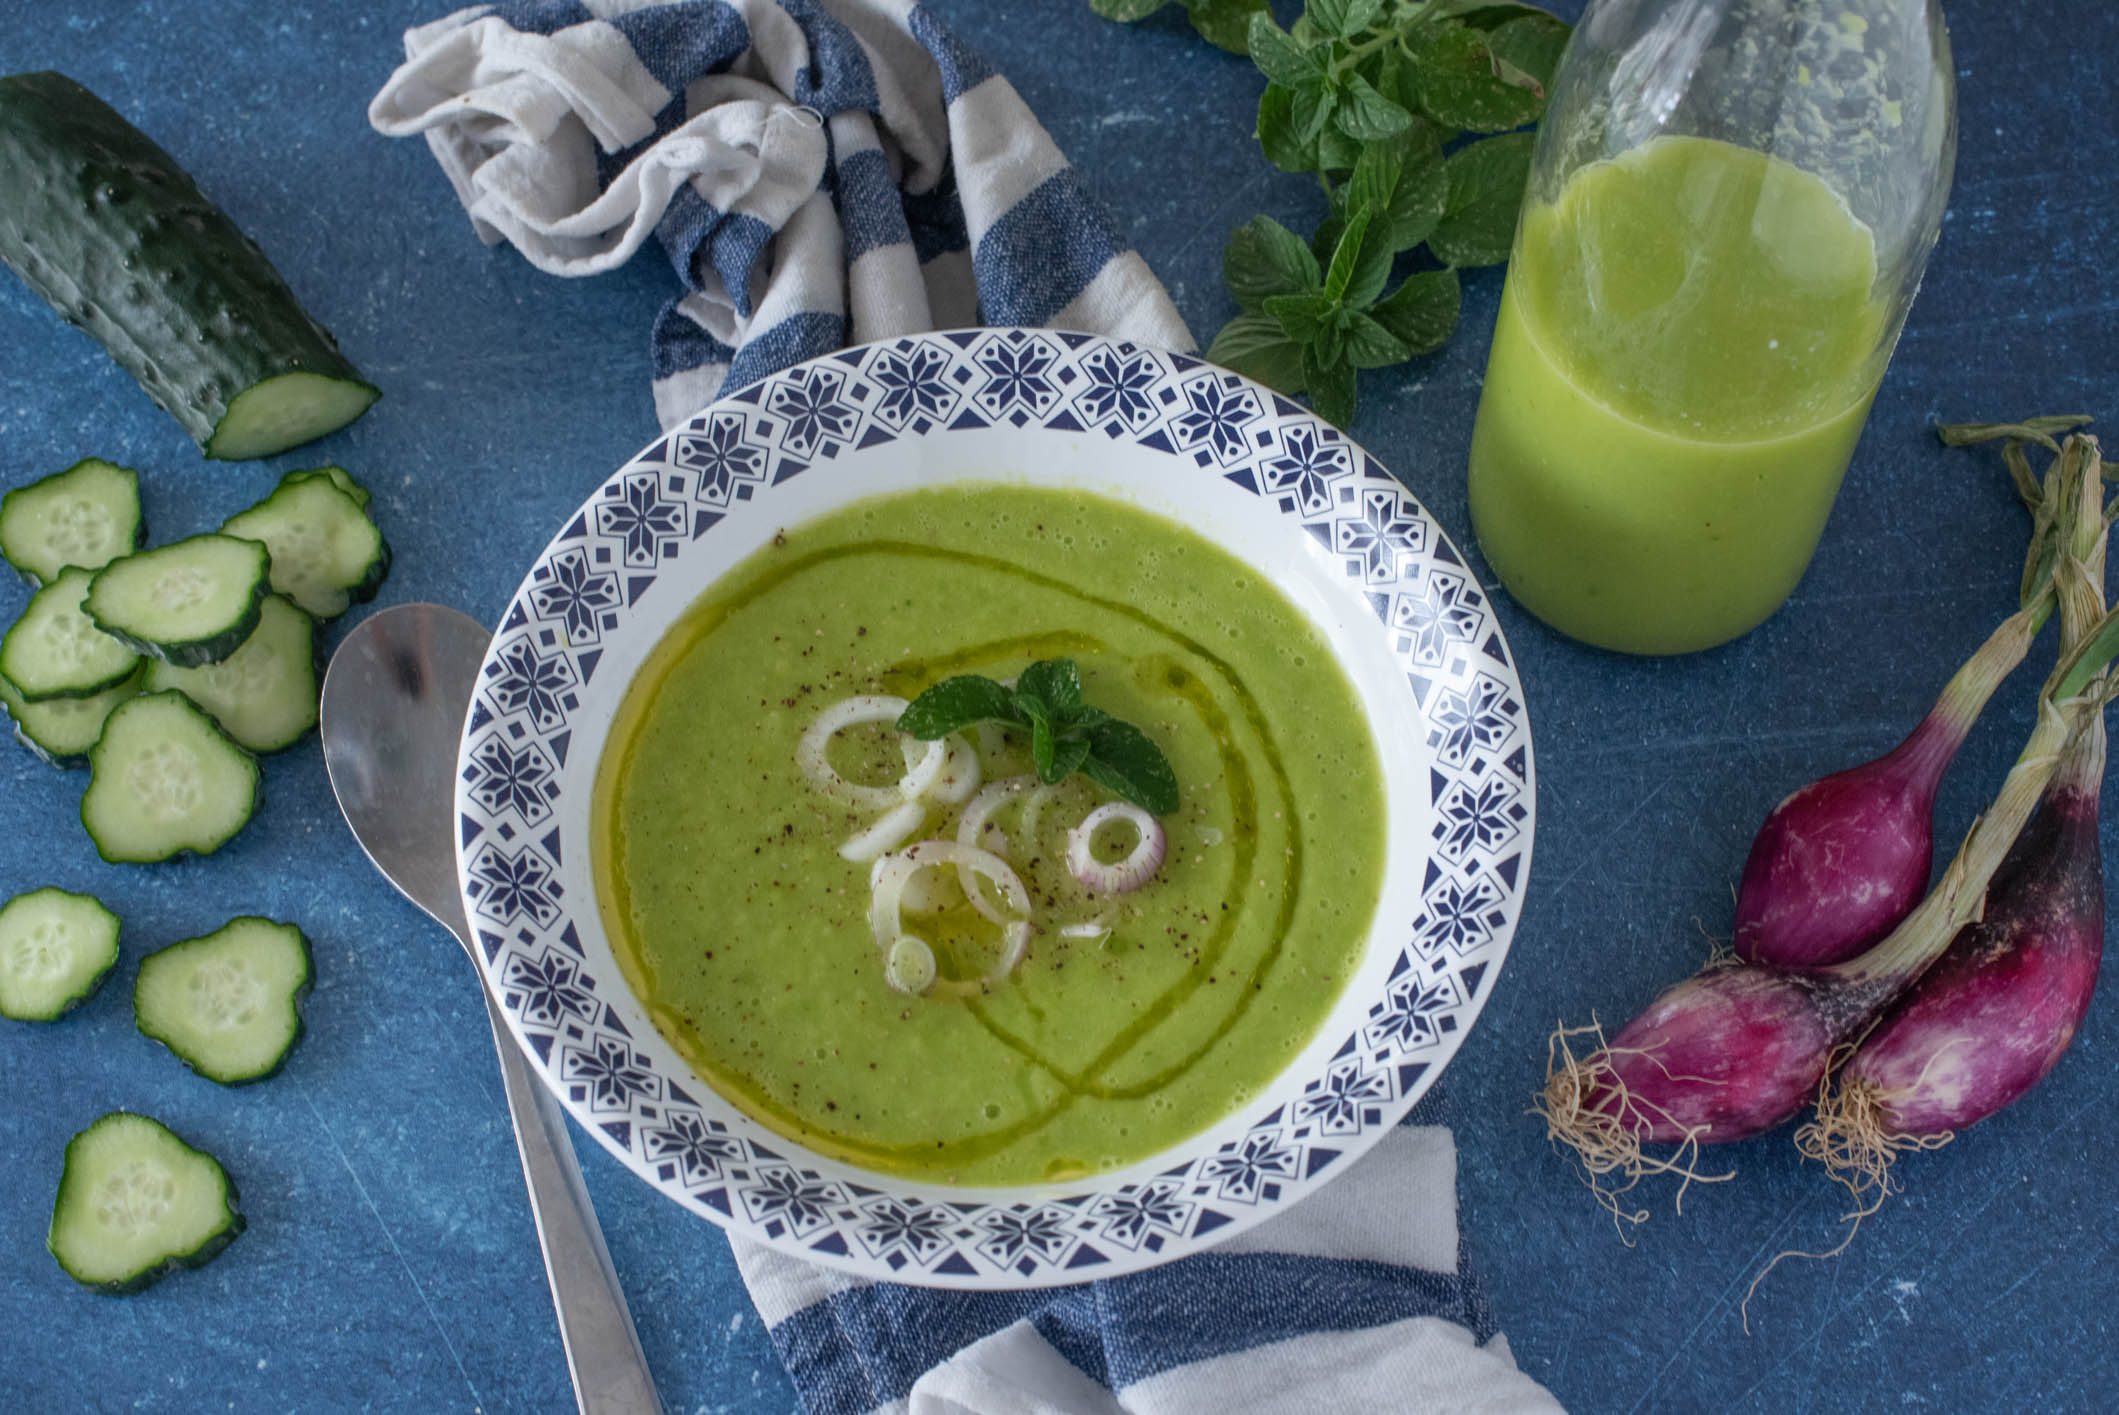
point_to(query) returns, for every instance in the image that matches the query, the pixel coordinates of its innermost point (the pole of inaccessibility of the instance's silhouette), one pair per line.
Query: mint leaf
(1279, 57)
(1265, 258)
(1418, 202)
(1330, 345)
(1069, 755)
(1486, 182)
(1346, 255)
(1331, 388)
(1125, 761)
(1043, 741)
(1055, 682)
(1372, 265)
(1341, 18)
(1225, 24)
(1257, 347)
(1326, 238)
(1369, 344)
(1375, 179)
(1126, 11)
(1081, 717)
(1493, 16)
(1335, 150)
(1421, 313)
(1459, 86)
(1311, 112)
(1276, 131)
(954, 704)
(1530, 45)
(1367, 115)
(1301, 317)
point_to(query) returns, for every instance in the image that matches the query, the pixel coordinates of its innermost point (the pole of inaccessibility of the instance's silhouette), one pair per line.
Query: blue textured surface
(390, 1264)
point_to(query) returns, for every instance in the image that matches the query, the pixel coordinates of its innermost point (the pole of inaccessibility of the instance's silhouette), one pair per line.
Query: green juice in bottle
(1689, 339)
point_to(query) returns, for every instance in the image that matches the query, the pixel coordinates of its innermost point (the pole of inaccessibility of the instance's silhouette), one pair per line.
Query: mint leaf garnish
(1067, 735)
(1044, 746)
(1124, 761)
(956, 703)
(1055, 682)
(1068, 757)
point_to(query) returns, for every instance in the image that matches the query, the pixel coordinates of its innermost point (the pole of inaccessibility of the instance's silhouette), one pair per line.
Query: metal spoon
(395, 699)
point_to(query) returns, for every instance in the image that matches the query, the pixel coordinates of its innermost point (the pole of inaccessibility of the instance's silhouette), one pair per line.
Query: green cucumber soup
(1132, 1020)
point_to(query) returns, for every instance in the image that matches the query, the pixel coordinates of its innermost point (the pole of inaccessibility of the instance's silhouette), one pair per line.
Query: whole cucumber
(118, 238)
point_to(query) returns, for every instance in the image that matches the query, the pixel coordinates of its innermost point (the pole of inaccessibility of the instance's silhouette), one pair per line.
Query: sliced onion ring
(1033, 809)
(891, 829)
(909, 967)
(1015, 942)
(971, 831)
(850, 712)
(894, 872)
(1128, 874)
(960, 774)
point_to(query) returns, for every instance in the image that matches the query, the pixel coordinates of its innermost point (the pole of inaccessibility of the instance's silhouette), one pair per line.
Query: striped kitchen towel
(823, 172)
(819, 172)
(1356, 1300)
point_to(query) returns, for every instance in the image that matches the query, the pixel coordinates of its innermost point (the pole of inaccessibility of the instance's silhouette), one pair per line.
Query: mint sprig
(1220, 22)
(1067, 735)
(1411, 113)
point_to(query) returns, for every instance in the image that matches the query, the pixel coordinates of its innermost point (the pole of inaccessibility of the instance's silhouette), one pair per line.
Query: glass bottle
(1730, 206)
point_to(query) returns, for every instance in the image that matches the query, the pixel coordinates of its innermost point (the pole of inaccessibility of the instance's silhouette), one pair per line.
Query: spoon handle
(603, 1351)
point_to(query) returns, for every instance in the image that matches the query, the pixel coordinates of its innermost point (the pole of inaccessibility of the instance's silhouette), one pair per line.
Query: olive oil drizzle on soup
(745, 933)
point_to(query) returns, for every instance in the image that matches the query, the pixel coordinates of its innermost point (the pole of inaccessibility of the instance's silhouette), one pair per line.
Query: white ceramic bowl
(1254, 473)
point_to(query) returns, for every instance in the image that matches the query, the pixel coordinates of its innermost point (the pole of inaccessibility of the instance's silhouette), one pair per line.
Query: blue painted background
(390, 1264)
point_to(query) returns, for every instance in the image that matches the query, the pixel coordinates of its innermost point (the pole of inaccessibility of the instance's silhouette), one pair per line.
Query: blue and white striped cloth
(824, 172)
(819, 172)
(1356, 1300)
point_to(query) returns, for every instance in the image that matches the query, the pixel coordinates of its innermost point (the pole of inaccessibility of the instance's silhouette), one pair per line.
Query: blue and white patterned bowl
(1279, 488)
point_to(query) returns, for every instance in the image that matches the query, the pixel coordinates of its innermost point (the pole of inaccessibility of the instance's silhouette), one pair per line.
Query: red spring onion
(1739, 1047)
(1124, 876)
(1840, 862)
(1995, 1013)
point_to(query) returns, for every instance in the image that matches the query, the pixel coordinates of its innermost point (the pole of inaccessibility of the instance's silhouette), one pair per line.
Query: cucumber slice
(264, 694)
(288, 410)
(85, 516)
(56, 651)
(165, 779)
(135, 1202)
(55, 949)
(117, 237)
(228, 1004)
(337, 476)
(326, 553)
(190, 603)
(63, 729)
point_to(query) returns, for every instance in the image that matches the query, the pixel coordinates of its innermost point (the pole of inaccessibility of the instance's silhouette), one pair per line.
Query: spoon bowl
(393, 713)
